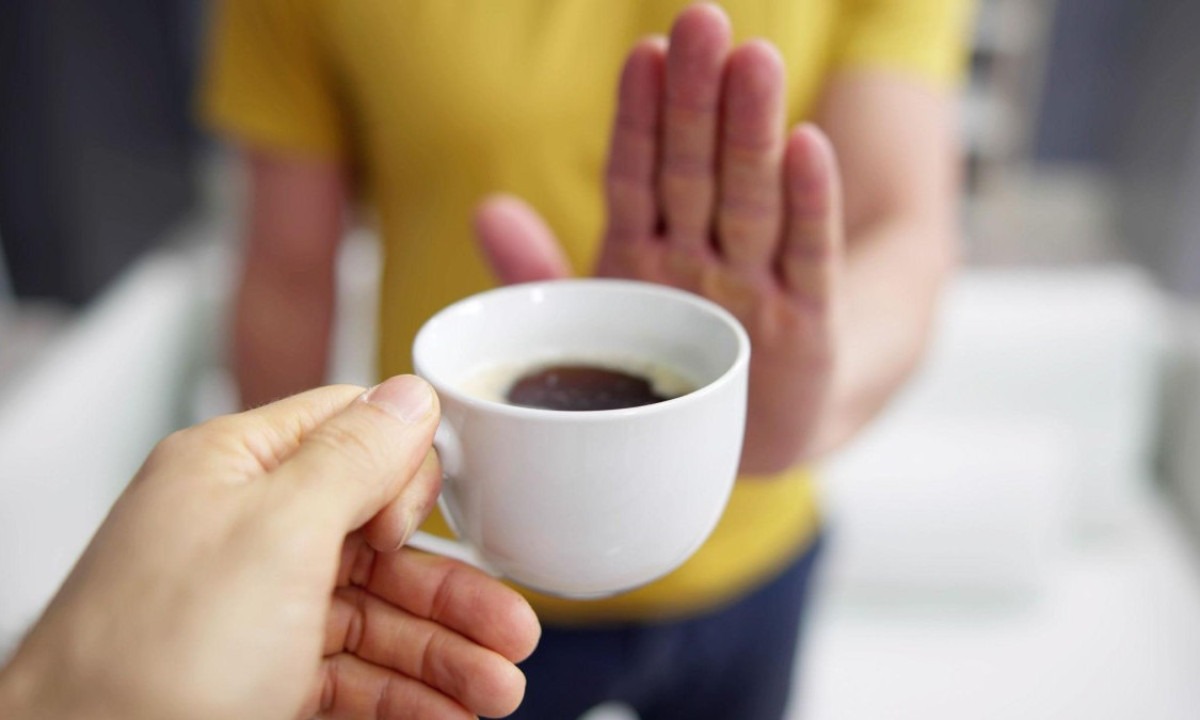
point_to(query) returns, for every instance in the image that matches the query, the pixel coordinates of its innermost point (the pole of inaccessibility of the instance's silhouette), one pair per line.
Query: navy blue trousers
(735, 663)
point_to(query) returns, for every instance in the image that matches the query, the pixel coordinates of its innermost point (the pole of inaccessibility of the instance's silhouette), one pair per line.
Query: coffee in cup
(581, 384)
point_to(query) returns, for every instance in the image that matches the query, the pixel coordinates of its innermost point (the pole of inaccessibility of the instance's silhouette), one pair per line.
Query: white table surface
(1116, 635)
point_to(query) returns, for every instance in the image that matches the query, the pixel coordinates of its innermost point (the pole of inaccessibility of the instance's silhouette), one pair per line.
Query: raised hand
(707, 191)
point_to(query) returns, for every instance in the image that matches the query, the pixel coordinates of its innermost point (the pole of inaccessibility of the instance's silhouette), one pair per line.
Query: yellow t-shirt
(436, 103)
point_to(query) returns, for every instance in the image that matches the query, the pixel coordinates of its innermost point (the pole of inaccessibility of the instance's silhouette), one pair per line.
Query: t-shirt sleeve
(924, 38)
(268, 80)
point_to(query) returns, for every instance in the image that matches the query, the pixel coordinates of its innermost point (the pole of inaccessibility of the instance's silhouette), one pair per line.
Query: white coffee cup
(584, 503)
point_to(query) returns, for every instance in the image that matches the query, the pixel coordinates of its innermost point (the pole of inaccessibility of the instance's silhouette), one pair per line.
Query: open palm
(707, 191)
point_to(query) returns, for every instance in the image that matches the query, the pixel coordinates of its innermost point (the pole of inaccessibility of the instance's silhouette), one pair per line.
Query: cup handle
(453, 549)
(449, 451)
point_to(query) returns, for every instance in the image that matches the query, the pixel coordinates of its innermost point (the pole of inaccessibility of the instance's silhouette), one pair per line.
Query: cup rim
(445, 388)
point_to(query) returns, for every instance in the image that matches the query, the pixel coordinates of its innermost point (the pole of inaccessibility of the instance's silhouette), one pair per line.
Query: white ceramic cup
(584, 503)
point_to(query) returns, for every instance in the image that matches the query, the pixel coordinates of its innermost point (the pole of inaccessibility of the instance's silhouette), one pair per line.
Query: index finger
(633, 149)
(262, 438)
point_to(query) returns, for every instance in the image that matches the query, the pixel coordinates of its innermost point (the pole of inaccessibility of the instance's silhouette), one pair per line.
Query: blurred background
(1018, 536)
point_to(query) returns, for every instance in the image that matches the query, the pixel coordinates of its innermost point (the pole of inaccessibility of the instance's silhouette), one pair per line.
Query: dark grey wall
(1122, 93)
(95, 139)
(1157, 165)
(1087, 79)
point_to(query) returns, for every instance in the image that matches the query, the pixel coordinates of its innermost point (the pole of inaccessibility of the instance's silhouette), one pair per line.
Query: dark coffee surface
(582, 387)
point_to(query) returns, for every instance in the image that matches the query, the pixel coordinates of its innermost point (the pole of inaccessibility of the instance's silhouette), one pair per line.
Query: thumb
(518, 244)
(359, 460)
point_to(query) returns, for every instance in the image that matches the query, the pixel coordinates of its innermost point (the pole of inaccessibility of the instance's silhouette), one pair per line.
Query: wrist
(17, 690)
(33, 690)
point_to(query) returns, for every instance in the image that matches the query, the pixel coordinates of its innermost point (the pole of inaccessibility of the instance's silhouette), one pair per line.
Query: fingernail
(657, 40)
(817, 134)
(411, 522)
(405, 397)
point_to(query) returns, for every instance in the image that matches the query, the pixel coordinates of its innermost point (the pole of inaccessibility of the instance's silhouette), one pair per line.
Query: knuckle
(687, 205)
(685, 107)
(626, 175)
(810, 298)
(742, 238)
(689, 166)
(175, 443)
(356, 625)
(752, 144)
(807, 203)
(748, 207)
(810, 253)
(181, 443)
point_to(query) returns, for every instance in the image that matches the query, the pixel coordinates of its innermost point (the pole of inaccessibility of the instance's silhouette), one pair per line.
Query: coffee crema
(583, 387)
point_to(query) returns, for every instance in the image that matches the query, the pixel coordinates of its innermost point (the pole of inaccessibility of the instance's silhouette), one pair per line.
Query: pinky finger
(813, 239)
(353, 689)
